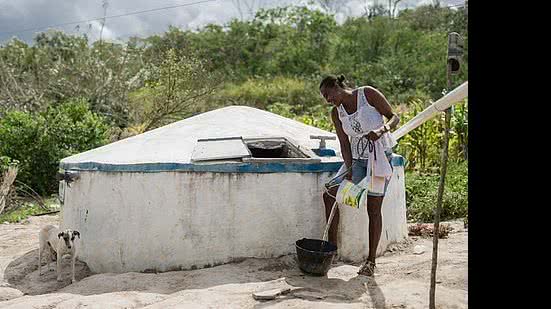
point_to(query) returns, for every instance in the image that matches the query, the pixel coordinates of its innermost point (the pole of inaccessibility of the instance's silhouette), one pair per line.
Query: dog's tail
(48, 228)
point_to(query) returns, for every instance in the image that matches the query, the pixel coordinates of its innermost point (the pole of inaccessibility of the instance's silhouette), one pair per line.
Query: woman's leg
(374, 204)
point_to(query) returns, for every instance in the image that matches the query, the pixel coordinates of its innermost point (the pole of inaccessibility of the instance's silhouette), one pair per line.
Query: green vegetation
(422, 189)
(39, 140)
(28, 209)
(63, 95)
(21, 213)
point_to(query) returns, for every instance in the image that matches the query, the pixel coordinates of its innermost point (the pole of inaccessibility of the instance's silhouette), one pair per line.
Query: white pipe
(441, 105)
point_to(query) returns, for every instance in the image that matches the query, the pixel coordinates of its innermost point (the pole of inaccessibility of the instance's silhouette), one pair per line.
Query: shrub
(422, 191)
(39, 140)
(299, 94)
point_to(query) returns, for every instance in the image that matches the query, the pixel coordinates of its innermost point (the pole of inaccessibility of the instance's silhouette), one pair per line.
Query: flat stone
(418, 249)
(270, 294)
(9, 293)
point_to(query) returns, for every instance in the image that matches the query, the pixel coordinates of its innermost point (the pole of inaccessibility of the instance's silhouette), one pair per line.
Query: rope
(370, 146)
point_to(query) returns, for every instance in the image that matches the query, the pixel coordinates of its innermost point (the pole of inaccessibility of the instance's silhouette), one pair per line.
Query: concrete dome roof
(174, 143)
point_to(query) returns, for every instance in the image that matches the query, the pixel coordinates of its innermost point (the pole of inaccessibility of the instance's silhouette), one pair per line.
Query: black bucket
(315, 256)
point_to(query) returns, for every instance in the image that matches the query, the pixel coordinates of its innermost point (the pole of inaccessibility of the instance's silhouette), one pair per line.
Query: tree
(376, 10)
(174, 90)
(104, 5)
(393, 4)
(39, 140)
(332, 6)
(59, 67)
(247, 8)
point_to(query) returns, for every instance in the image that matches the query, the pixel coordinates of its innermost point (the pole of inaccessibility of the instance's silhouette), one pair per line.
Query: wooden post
(5, 186)
(443, 169)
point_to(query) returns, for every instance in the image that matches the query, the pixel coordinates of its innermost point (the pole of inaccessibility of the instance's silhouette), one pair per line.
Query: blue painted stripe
(222, 168)
(248, 167)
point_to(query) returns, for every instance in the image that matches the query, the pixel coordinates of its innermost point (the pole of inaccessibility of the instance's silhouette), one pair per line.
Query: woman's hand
(374, 135)
(348, 176)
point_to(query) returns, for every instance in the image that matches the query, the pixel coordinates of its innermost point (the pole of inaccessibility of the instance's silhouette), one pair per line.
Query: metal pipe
(453, 97)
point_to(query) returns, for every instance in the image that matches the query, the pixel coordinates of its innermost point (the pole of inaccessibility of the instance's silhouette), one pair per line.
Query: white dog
(57, 243)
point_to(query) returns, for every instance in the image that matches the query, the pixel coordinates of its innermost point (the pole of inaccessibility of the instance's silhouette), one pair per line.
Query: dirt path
(401, 281)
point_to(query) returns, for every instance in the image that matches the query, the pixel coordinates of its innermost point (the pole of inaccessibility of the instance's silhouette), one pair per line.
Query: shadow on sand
(22, 274)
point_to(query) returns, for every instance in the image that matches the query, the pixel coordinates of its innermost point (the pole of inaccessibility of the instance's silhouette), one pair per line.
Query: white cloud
(17, 15)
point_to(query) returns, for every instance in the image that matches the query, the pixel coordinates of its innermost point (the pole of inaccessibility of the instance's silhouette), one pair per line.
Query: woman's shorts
(378, 186)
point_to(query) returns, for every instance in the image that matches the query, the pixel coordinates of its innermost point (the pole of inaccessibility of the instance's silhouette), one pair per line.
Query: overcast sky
(18, 15)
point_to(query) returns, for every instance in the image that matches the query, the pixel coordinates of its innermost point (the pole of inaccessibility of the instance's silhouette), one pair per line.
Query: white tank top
(367, 118)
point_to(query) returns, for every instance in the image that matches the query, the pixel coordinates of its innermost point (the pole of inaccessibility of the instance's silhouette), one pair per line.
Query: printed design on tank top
(355, 124)
(362, 145)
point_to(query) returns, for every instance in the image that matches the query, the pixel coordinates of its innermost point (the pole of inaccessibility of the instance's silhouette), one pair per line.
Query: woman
(366, 146)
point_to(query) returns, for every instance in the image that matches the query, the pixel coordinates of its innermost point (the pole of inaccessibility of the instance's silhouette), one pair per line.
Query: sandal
(367, 269)
(336, 258)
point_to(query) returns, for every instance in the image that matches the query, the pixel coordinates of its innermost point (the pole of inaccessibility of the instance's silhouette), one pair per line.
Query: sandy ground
(401, 281)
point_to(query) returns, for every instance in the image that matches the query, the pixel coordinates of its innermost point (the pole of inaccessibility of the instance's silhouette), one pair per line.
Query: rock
(270, 294)
(9, 293)
(418, 249)
(6, 222)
